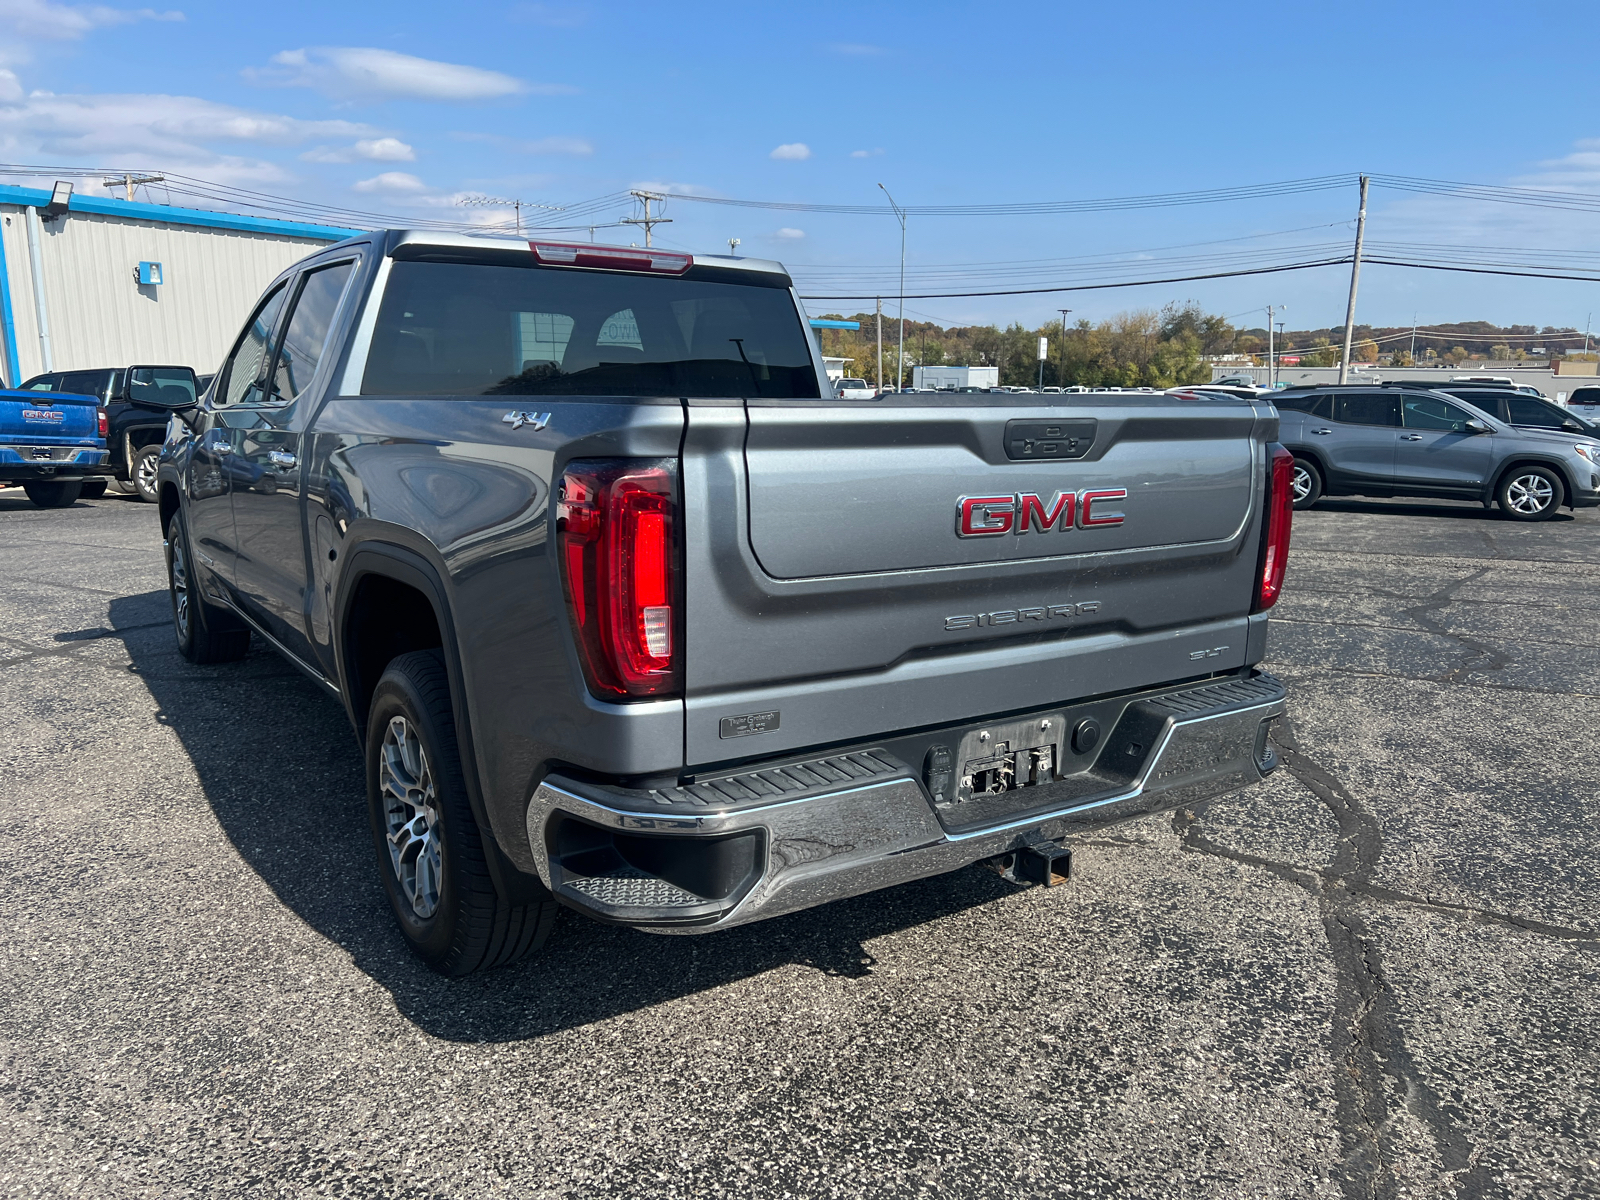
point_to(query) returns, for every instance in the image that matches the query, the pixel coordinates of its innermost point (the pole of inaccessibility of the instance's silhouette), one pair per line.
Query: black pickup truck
(632, 614)
(136, 402)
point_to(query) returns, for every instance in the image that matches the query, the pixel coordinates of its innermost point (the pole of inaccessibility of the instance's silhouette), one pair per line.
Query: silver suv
(1389, 441)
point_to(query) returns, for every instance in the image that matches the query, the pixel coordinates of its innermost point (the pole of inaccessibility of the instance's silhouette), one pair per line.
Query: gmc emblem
(992, 516)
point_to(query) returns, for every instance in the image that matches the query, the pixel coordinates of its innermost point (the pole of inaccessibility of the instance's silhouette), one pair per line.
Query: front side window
(306, 337)
(486, 329)
(1426, 412)
(241, 383)
(1367, 409)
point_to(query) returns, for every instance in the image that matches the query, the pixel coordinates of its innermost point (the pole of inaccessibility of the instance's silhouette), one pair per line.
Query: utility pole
(1355, 278)
(1587, 323)
(647, 220)
(129, 182)
(900, 362)
(880, 343)
(1061, 371)
(1413, 339)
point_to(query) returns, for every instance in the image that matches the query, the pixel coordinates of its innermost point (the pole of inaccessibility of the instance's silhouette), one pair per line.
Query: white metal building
(935, 378)
(104, 283)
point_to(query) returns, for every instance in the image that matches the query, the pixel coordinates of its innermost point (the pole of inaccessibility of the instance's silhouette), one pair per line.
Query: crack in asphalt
(1377, 1080)
(1423, 614)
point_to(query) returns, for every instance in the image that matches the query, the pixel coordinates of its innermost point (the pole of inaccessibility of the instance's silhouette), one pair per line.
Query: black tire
(205, 633)
(123, 487)
(56, 493)
(1306, 475)
(1530, 493)
(438, 883)
(93, 489)
(142, 472)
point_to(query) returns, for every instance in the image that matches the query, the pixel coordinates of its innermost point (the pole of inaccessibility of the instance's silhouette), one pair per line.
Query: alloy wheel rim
(411, 816)
(180, 588)
(1300, 484)
(146, 473)
(1530, 494)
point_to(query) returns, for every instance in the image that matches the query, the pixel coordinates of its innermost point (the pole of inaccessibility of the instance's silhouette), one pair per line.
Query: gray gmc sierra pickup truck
(632, 615)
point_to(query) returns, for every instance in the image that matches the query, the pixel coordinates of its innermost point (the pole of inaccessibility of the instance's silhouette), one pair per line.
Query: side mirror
(162, 387)
(1571, 427)
(1476, 426)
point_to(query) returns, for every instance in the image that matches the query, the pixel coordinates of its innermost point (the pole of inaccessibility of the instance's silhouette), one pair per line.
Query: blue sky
(405, 107)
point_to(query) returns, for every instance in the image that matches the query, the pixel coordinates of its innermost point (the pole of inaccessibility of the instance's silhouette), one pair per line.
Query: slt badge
(518, 419)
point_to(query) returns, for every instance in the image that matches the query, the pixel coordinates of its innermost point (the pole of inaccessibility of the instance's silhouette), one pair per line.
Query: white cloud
(176, 132)
(866, 153)
(384, 149)
(10, 87)
(671, 189)
(392, 181)
(792, 152)
(789, 234)
(368, 73)
(67, 22)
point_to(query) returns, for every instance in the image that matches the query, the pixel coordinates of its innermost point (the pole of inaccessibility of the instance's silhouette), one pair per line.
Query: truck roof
(476, 241)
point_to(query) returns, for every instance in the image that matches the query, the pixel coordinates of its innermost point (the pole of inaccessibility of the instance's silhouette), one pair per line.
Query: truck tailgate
(869, 568)
(48, 419)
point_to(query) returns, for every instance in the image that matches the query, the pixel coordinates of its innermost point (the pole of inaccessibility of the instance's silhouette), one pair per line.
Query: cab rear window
(474, 329)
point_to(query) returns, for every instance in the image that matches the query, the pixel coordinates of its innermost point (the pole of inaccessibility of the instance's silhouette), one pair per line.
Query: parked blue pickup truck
(53, 444)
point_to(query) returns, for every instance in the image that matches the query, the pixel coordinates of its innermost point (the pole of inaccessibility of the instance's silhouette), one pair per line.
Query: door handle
(221, 447)
(1410, 437)
(1322, 431)
(281, 458)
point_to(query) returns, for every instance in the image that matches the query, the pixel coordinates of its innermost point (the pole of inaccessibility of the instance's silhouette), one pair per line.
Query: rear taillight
(615, 528)
(104, 426)
(1275, 542)
(616, 258)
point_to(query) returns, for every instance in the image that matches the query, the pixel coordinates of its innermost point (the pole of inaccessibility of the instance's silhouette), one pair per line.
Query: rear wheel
(93, 489)
(206, 633)
(142, 471)
(430, 850)
(1305, 483)
(1531, 493)
(54, 494)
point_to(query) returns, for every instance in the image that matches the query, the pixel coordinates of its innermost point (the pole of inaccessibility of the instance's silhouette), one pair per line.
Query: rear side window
(1367, 409)
(1528, 411)
(470, 329)
(85, 383)
(307, 333)
(41, 383)
(1304, 402)
(1428, 412)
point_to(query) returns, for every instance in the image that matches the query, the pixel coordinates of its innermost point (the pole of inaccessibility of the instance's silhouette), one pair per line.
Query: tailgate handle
(1050, 439)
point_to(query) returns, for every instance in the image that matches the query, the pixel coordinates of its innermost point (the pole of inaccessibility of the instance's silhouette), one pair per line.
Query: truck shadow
(280, 767)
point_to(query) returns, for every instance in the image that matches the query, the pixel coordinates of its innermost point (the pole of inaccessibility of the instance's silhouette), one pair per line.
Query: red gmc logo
(992, 516)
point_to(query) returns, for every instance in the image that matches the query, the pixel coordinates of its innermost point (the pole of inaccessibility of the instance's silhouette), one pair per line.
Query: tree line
(1160, 348)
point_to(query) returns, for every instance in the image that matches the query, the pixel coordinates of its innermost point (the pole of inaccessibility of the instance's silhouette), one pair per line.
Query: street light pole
(900, 362)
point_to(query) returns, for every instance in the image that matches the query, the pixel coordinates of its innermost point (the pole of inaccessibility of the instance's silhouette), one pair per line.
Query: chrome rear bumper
(794, 835)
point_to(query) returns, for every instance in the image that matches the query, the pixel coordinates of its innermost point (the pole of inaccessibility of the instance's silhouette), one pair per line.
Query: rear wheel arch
(379, 572)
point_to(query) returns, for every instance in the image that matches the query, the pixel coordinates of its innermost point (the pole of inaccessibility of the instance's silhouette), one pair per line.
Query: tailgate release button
(1049, 439)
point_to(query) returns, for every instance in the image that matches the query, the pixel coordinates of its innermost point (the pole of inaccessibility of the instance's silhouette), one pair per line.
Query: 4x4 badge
(518, 419)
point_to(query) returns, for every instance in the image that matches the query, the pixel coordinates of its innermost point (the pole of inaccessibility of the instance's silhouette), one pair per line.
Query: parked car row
(66, 435)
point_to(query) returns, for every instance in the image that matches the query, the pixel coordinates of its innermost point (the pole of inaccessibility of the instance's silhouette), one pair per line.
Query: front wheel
(205, 633)
(430, 850)
(57, 493)
(1305, 483)
(1531, 494)
(142, 471)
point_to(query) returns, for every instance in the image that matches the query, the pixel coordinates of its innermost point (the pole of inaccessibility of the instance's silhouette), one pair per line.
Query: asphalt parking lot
(1378, 975)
